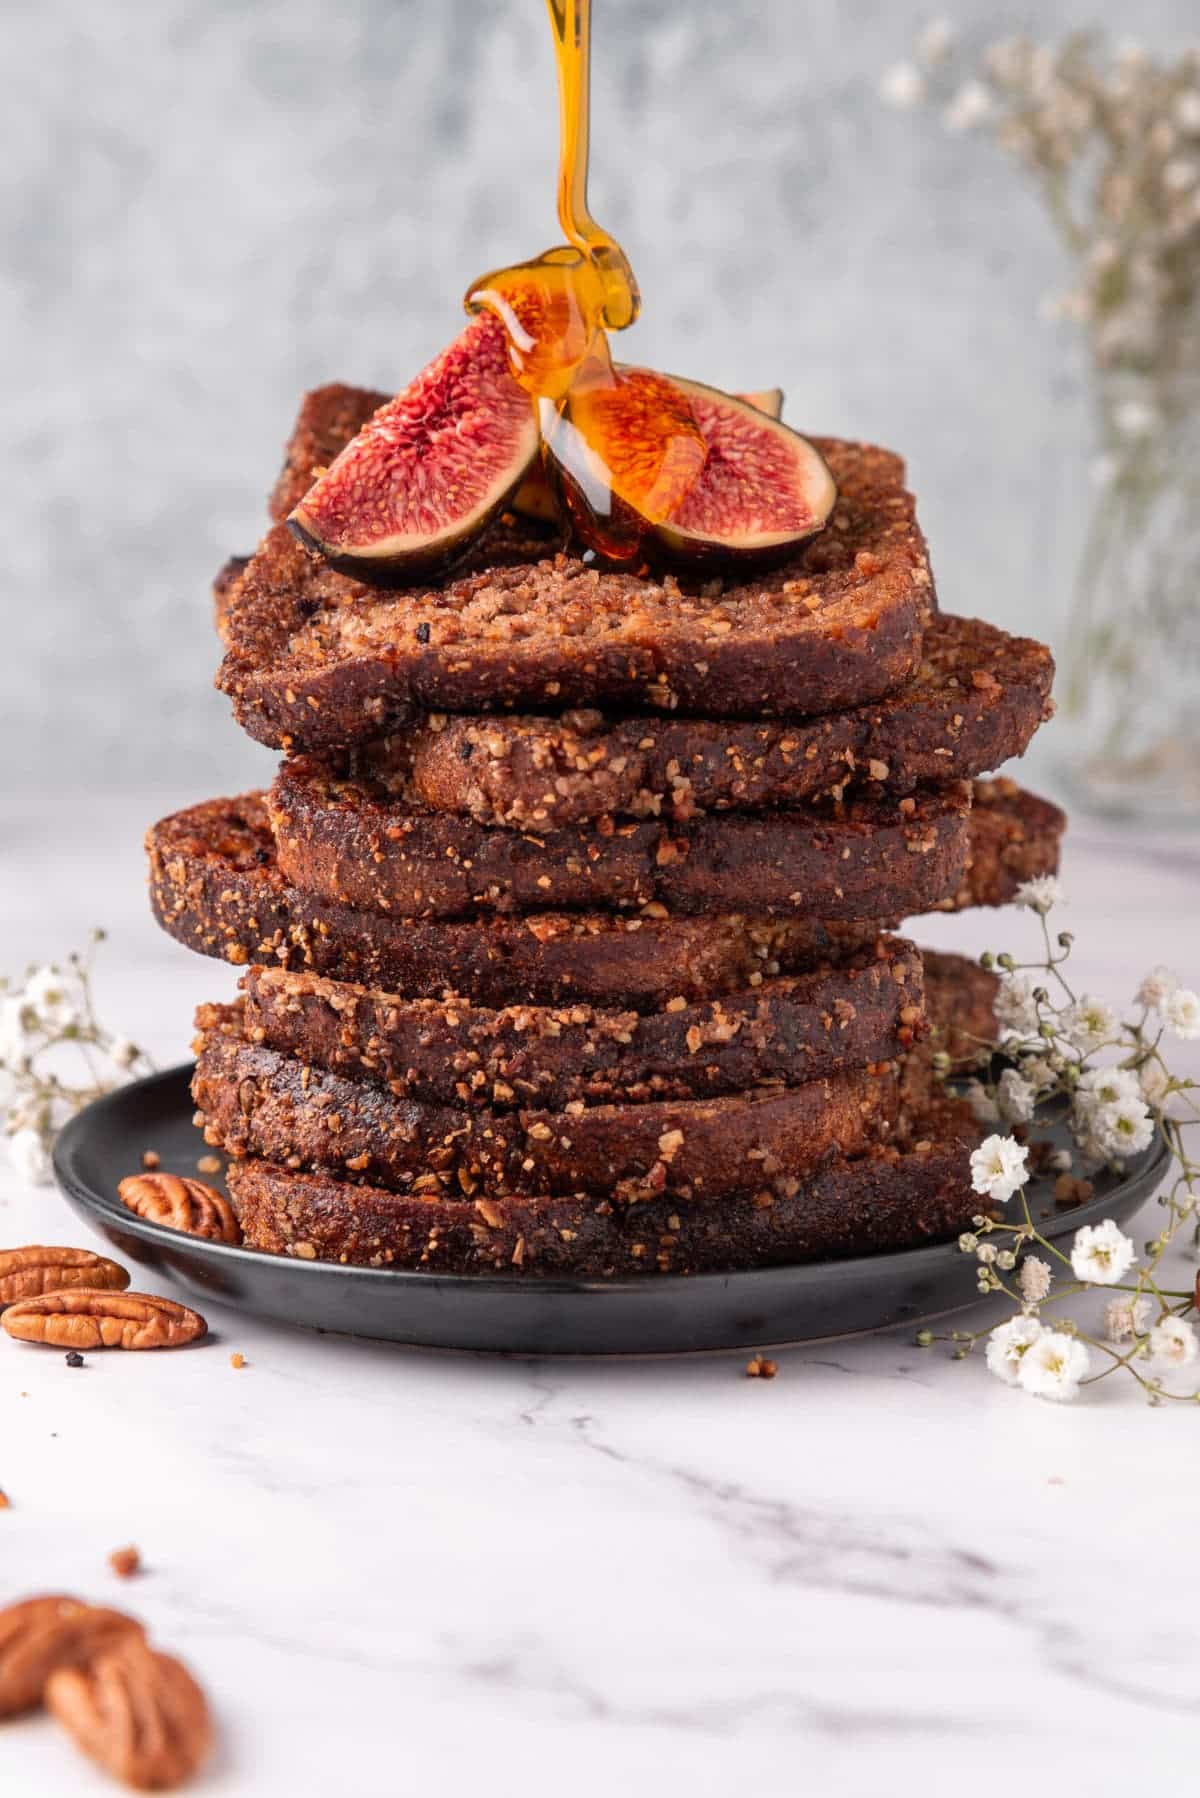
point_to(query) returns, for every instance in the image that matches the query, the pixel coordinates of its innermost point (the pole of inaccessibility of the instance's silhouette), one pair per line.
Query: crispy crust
(975, 701)
(316, 660)
(883, 1201)
(254, 1101)
(214, 886)
(353, 841)
(790, 1029)
(1015, 836)
(224, 589)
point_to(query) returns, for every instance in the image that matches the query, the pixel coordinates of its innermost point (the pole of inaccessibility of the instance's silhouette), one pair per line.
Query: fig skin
(688, 539)
(468, 388)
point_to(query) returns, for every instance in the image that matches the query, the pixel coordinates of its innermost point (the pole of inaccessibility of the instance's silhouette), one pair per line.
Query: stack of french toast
(570, 922)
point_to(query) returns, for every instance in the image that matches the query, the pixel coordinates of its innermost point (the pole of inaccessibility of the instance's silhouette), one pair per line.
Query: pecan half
(41, 1634)
(181, 1204)
(84, 1319)
(139, 1713)
(27, 1273)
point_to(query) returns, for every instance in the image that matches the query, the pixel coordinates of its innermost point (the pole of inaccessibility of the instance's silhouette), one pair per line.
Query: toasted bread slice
(361, 842)
(254, 1101)
(885, 1200)
(791, 1029)
(1015, 836)
(215, 886)
(975, 701)
(317, 661)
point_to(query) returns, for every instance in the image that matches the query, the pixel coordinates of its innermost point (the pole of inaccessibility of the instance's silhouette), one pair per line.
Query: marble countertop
(398, 1571)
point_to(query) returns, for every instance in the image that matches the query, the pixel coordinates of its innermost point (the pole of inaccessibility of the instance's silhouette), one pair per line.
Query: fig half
(760, 490)
(535, 498)
(429, 469)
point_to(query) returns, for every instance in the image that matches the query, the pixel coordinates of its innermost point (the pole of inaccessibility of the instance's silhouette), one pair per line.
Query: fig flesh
(427, 472)
(759, 493)
(535, 497)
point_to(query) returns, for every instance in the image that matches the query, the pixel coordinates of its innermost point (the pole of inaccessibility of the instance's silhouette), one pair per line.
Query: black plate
(654, 1315)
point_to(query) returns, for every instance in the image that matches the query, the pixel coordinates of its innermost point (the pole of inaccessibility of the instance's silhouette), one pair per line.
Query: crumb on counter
(237, 1360)
(761, 1367)
(151, 1159)
(209, 1164)
(125, 1562)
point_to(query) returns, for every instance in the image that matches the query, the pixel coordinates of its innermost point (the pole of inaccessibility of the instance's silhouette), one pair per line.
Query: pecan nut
(27, 1273)
(181, 1204)
(42, 1634)
(138, 1713)
(85, 1319)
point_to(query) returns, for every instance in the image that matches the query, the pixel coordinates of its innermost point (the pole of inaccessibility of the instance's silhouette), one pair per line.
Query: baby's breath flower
(1105, 1086)
(1039, 1072)
(1040, 894)
(1101, 1254)
(14, 1037)
(1156, 988)
(1015, 1097)
(29, 1156)
(1053, 1366)
(903, 86)
(1173, 1341)
(47, 996)
(1015, 1008)
(935, 42)
(1126, 1318)
(998, 1167)
(983, 1107)
(1008, 1345)
(1136, 419)
(1122, 1129)
(42, 1022)
(1089, 1023)
(1182, 1013)
(1033, 1279)
(1187, 111)
(970, 108)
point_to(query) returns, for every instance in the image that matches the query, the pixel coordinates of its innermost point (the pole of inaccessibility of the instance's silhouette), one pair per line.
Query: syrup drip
(625, 440)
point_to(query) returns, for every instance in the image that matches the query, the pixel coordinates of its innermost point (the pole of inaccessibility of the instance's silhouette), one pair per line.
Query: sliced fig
(759, 490)
(429, 469)
(762, 491)
(535, 497)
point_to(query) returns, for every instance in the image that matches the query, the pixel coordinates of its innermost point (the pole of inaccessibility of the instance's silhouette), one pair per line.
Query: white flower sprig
(1051, 1041)
(1112, 139)
(48, 1020)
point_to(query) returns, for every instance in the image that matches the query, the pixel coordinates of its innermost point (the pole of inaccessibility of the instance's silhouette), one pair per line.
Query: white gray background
(209, 205)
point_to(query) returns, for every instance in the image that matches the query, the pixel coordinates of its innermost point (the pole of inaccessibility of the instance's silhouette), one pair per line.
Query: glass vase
(1129, 681)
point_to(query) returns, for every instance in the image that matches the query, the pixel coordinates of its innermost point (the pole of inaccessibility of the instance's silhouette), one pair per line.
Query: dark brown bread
(214, 886)
(354, 842)
(254, 1101)
(960, 999)
(883, 1201)
(1015, 836)
(790, 1029)
(317, 661)
(975, 701)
